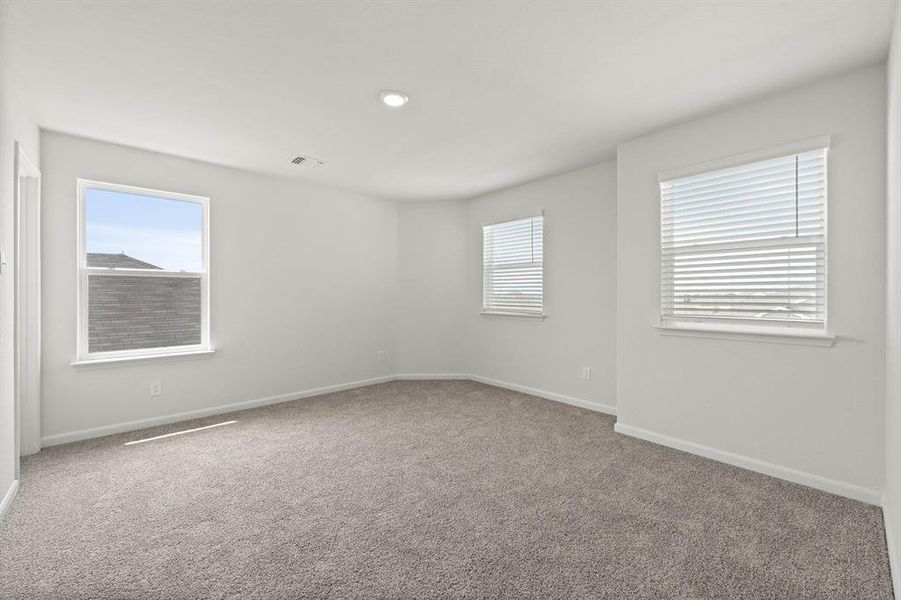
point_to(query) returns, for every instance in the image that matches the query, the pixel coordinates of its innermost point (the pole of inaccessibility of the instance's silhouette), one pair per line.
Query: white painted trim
(432, 376)
(538, 214)
(832, 486)
(495, 313)
(94, 432)
(117, 272)
(890, 538)
(815, 481)
(174, 353)
(749, 333)
(8, 498)
(27, 305)
(808, 145)
(595, 406)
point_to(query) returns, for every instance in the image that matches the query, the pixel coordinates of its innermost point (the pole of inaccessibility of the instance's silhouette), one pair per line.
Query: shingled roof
(117, 261)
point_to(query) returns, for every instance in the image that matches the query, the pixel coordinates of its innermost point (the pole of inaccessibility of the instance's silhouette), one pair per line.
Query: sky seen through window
(161, 231)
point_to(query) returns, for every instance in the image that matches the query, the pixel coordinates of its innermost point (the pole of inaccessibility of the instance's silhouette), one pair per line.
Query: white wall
(347, 263)
(432, 263)
(892, 499)
(579, 288)
(15, 125)
(441, 330)
(814, 410)
(303, 289)
(362, 275)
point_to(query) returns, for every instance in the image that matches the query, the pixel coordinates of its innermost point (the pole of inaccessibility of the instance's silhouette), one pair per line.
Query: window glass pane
(131, 231)
(138, 312)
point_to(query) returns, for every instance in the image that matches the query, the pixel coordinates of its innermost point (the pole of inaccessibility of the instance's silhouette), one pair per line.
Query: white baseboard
(832, 486)
(432, 376)
(95, 432)
(595, 406)
(84, 434)
(890, 540)
(8, 498)
(815, 481)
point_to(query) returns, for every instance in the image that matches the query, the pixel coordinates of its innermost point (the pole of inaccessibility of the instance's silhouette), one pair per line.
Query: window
(512, 269)
(746, 244)
(143, 262)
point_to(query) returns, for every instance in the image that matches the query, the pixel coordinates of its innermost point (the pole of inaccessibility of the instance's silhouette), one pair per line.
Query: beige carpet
(423, 490)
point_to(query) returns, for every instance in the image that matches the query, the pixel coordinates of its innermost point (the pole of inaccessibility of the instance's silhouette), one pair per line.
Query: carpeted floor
(423, 490)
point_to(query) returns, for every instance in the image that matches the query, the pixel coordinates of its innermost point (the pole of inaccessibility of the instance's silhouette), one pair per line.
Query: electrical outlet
(381, 355)
(156, 388)
(586, 372)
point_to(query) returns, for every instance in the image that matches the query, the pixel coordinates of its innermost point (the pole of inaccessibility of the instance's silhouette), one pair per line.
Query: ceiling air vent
(307, 161)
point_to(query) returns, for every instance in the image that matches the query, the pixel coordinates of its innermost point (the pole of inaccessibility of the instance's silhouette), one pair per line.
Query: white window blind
(746, 244)
(512, 267)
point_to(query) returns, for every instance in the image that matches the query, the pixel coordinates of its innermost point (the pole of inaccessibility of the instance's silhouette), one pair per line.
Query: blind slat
(512, 266)
(746, 242)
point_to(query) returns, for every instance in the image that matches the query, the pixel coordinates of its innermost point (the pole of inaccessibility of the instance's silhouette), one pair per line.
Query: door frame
(27, 305)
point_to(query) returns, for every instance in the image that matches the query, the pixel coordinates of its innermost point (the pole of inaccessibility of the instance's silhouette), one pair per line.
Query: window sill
(492, 313)
(108, 361)
(749, 333)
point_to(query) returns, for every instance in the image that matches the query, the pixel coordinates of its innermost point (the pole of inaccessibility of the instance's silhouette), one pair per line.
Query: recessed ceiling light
(393, 98)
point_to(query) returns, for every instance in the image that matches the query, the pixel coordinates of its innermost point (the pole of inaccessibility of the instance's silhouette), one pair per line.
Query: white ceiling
(501, 92)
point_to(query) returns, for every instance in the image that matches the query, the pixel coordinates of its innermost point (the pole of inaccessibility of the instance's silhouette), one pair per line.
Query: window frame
(82, 354)
(795, 332)
(489, 312)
